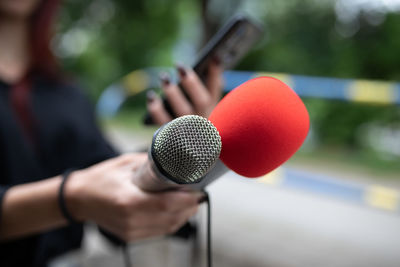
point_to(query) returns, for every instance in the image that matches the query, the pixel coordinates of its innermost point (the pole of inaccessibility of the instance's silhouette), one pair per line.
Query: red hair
(43, 63)
(41, 32)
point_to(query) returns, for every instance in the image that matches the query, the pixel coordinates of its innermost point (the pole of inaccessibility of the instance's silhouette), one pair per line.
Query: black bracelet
(61, 200)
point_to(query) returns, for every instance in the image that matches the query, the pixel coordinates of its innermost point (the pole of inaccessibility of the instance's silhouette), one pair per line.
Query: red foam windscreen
(262, 123)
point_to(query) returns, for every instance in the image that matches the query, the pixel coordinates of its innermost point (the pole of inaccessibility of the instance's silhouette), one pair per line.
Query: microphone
(262, 123)
(181, 153)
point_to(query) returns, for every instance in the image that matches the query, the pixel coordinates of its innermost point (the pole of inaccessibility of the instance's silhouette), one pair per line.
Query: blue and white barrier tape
(375, 196)
(366, 91)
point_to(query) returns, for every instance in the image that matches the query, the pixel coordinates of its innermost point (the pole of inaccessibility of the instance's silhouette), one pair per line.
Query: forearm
(31, 208)
(104, 194)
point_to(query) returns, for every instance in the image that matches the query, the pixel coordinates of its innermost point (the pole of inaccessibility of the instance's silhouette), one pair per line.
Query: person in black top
(47, 127)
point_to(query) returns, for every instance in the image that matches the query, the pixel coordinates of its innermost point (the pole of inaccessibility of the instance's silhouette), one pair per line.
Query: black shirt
(65, 136)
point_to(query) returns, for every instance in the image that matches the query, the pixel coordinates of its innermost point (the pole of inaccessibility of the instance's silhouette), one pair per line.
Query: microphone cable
(208, 230)
(127, 258)
(125, 249)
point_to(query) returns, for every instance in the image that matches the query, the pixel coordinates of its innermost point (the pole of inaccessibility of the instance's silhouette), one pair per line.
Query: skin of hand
(106, 195)
(203, 97)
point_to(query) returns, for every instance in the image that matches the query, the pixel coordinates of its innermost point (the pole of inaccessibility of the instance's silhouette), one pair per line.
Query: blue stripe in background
(233, 79)
(305, 86)
(320, 87)
(323, 185)
(397, 94)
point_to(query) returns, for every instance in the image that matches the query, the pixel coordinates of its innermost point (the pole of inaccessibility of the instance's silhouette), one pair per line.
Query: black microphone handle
(150, 179)
(218, 170)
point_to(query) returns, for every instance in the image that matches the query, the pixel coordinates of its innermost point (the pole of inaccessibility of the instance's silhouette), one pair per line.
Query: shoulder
(65, 90)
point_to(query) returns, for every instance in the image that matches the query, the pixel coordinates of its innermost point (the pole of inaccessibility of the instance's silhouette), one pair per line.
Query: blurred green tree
(101, 40)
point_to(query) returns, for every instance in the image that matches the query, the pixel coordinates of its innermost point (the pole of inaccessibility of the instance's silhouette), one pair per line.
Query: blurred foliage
(309, 38)
(101, 40)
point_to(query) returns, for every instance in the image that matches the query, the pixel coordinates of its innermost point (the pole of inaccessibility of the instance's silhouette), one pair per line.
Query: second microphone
(181, 153)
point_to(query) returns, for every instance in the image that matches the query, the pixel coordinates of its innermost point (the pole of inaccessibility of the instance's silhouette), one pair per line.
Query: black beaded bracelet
(61, 200)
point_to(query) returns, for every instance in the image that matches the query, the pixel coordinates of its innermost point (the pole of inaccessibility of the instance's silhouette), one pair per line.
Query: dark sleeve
(100, 147)
(101, 150)
(70, 135)
(3, 190)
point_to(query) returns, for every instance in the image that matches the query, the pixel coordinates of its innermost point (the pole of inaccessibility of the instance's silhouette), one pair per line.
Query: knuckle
(193, 211)
(163, 206)
(191, 78)
(129, 157)
(172, 91)
(175, 223)
(185, 111)
(154, 109)
(125, 226)
(220, 83)
(163, 203)
(172, 229)
(221, 80)
(124, 205)
(124, 156)
(203, 102)
(174, 220)
(178, 225)
(155, 106)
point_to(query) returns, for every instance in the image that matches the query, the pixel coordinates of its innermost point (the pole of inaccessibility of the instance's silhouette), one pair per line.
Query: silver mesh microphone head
(186, 148)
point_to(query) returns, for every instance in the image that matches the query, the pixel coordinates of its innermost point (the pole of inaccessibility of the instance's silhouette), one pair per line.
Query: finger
(214, 80)
(121, 160)
(115, 229)
(143, 234)
(178, 200)
(194, 87)
(150, 224)
(163, 220)
(138, 161)
(163, 224)
(130, 158)
(179, 103)
(188, 213)
(183, 218)
(166, 201)
(156, 109)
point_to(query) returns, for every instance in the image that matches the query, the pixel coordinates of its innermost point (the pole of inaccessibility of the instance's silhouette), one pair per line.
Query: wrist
(73, 196)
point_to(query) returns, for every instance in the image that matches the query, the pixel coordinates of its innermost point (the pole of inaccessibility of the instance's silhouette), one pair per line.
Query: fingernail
(165, 80)
(216, 60)
(150, 95)
(181, 70)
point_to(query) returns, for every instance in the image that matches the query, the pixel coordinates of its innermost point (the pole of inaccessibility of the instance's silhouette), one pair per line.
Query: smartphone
(230, 44)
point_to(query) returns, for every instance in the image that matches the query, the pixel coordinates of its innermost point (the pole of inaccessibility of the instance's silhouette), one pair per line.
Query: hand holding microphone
(253, 130)
(183, 151)
(105, 194)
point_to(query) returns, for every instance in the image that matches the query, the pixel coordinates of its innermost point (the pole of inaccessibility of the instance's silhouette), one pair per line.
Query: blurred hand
(203, 97)
(105, 194)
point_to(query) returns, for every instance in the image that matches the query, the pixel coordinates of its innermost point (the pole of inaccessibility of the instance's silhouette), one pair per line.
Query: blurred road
(259, 225)
(255, 224)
